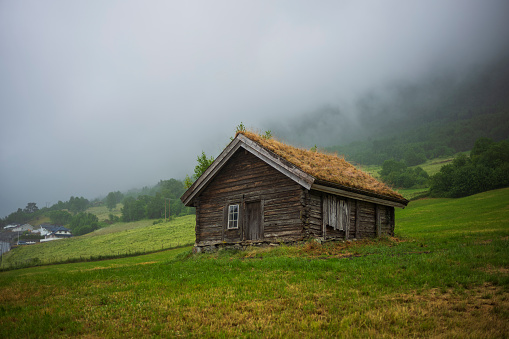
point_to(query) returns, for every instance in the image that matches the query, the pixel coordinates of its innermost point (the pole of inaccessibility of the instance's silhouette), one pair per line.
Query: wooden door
(253, 221)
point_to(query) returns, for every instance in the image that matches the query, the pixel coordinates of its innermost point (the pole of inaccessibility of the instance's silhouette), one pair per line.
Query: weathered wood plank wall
(246, 178)
(362, 214)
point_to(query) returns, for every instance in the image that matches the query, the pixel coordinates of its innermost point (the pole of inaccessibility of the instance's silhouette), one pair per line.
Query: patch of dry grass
(472, 314)
(220, 313)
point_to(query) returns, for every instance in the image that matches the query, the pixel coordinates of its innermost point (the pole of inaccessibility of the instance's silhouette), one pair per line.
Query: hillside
(121, 239)
(445, 275)
(441, 113)
(432, 118)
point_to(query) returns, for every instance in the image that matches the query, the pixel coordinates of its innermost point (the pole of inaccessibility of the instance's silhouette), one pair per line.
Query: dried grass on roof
(327, 167)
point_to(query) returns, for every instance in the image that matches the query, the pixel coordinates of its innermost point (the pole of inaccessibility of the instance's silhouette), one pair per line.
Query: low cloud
(103, 96)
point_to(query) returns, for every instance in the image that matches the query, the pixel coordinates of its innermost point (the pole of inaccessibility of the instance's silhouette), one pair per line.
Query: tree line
(486, 169)
(429, 141)
(398, 174)
(146, 203)
(164, 198)
(31, 211)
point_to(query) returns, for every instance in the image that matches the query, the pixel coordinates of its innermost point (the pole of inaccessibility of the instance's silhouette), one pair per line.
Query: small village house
(260, 190)
(54, 232)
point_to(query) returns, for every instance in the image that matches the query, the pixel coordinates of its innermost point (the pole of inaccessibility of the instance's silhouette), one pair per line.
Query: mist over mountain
(440, 98)
(327, 125)
(100, 96)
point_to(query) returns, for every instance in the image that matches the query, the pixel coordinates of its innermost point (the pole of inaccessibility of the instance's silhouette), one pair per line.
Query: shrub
(484, 170)
(396, 173)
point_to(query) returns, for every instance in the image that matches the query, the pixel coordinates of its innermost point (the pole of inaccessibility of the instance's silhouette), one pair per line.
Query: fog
(99, 96)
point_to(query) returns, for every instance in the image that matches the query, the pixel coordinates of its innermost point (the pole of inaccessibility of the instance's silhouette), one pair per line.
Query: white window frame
(233, 216)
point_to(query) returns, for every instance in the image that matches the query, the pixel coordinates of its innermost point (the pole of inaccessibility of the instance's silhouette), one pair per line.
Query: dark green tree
(485, 169)
(111, 201)
(134, 209)
(31, 208)
(203, 164)
(60, 217)
(481, 145)
(392, 166)
(396, 173)
(83, 223)
(414, 156)
(188, 182)
(155, 206)
(77, 205)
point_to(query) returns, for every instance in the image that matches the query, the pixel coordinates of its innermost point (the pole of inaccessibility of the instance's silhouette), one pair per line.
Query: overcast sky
(99, 96)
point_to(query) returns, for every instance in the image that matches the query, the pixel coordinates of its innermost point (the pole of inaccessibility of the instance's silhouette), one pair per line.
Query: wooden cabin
(262, 191)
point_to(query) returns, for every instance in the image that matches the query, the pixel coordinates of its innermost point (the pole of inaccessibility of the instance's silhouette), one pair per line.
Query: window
(233, 216)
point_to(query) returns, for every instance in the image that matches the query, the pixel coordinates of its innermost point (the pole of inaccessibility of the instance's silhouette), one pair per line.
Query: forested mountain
(413, 121)
(435, 118)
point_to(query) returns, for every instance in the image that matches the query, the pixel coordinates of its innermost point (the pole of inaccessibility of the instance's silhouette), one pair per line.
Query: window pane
(233, 216)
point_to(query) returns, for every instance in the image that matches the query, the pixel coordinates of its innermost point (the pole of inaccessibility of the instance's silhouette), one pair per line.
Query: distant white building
(11, 226)
(52, 232)
(41, 230)
(50, 237)
(23, 228)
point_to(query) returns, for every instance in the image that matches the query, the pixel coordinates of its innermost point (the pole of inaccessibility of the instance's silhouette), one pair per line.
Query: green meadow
(445, 274)
(117, 240)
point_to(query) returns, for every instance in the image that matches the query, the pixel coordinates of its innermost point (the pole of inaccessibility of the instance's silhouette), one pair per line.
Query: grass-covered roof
(326, 167)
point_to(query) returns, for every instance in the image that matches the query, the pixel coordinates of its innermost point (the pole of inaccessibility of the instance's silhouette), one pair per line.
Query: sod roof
(325, 167)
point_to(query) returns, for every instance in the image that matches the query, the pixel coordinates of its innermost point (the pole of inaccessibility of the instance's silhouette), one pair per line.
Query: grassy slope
(118, 239)
(103, 213)
(447, 278)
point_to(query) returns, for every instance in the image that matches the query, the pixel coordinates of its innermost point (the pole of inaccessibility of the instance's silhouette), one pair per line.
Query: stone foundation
(211, 247)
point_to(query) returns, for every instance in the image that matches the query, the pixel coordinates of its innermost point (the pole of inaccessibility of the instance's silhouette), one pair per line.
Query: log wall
(245, 178)
(363, 219)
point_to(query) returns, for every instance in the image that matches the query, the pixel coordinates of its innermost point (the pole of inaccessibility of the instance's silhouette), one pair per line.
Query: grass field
(433, 166)
(446, 274)
(412, 193)
(116, 240)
